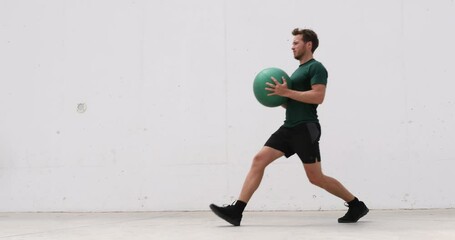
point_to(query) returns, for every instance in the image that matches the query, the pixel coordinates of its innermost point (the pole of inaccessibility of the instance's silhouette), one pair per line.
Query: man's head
(305, 41)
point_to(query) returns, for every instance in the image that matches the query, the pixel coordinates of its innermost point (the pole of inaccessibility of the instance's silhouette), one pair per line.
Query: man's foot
(355, 212)
(229, 213)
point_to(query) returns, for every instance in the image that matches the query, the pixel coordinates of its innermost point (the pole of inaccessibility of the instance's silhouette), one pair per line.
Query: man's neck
(306, 58)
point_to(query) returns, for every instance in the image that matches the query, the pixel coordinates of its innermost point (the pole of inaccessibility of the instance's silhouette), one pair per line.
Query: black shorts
(302, 139)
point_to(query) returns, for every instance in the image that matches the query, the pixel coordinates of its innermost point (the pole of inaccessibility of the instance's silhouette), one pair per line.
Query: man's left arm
(314, 96)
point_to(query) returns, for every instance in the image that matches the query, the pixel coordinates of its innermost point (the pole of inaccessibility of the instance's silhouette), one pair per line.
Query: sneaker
(354, 213)
(229, 213)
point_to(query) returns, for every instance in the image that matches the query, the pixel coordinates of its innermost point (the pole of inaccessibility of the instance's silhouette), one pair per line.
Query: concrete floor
(393, 224)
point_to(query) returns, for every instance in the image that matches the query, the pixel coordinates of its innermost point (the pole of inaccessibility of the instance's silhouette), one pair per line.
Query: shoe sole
(224, 217)
(354, 221)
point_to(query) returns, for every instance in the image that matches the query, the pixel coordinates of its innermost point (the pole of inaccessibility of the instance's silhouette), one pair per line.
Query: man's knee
(259, 161)
(315, 180)
(264, 157)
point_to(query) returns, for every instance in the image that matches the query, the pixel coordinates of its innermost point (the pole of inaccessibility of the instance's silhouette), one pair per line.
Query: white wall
(171, 122)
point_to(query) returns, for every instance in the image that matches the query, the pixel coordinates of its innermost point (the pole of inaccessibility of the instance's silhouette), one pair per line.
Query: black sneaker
(354, 213)
(229, 213)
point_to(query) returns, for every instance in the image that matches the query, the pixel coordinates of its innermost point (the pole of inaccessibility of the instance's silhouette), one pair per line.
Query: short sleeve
(319, 74)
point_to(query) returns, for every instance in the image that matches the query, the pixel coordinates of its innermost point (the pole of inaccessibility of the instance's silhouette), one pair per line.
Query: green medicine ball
(259, 86)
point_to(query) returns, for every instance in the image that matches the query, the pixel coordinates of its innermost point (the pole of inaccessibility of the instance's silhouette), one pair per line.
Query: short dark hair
(308, 35)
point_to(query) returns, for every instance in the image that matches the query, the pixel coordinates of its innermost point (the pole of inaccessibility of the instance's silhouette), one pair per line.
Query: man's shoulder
(317, 67)
(310, 68)
(317, 64)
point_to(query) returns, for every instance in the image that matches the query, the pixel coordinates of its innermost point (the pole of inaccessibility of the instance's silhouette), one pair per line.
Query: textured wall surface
(148, 105)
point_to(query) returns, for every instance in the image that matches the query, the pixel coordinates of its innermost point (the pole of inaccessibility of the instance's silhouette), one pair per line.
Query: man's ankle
(240, 205)
(354, 202)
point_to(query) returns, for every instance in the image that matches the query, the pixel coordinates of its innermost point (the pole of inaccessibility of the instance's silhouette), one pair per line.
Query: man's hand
(280, 89)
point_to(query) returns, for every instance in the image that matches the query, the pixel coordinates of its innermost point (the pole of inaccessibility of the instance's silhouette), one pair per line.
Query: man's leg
(233, 213)
(357, 209)
(331, 185)
(265, 156)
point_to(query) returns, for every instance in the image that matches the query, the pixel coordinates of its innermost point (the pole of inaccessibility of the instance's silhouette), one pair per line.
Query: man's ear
(310, 44)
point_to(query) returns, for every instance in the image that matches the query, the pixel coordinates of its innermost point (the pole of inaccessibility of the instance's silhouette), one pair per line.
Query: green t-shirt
(308, 74)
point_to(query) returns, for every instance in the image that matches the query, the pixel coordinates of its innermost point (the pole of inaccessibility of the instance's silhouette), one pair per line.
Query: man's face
(299, 47)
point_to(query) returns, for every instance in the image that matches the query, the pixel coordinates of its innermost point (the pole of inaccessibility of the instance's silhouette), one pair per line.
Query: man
(299, 134)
